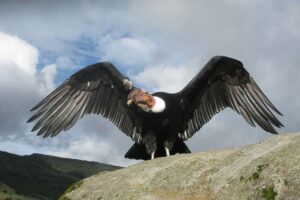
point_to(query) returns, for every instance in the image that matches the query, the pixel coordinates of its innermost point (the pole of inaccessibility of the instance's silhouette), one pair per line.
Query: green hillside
(41, 176)
(7, 193)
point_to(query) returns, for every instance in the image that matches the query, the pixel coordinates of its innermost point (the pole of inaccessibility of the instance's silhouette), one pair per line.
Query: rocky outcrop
(267, 170)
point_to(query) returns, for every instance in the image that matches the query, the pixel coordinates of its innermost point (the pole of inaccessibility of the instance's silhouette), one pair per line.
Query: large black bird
(158, 122)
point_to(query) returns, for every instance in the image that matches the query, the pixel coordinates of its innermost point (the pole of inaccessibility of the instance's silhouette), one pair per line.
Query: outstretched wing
(224, 82)
(99, 89)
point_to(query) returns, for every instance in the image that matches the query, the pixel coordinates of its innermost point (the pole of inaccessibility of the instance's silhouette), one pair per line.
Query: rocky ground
(267, 170)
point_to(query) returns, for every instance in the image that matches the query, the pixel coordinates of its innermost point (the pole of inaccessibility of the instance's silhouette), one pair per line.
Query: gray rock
(268, 170)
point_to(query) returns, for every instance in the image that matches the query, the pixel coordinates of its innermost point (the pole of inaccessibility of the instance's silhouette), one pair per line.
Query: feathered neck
(158, 105)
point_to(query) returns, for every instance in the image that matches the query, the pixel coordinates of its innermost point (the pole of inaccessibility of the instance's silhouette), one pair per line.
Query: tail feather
(138, 151)
(180, 147)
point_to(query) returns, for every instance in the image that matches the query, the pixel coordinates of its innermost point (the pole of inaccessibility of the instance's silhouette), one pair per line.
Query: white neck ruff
(159, 106)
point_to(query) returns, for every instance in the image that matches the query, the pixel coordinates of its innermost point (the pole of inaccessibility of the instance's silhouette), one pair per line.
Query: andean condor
(159, 122)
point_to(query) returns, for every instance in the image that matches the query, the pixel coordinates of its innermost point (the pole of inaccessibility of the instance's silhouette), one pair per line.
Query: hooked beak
(130, 101)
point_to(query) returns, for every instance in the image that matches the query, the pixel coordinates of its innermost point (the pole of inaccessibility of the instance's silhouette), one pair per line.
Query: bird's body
(158, 123)
(160, 129)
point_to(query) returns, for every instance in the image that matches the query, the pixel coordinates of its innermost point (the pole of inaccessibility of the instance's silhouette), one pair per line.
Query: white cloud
(91, 148)
(46, 77)
(168, 78)
(19, 53)
(18, 66)
(130, 51)
(64, 63)
(21, 85)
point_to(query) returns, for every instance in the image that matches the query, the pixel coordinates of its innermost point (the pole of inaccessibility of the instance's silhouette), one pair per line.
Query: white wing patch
(183, 136)
(127, 83)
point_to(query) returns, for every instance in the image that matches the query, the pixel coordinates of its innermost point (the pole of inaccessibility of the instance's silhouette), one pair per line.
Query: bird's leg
(152, 155)
(167, 151)
(150, 143)
(168, 145)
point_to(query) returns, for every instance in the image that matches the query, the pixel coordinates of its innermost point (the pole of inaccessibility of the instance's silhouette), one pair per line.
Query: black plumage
(102, 89)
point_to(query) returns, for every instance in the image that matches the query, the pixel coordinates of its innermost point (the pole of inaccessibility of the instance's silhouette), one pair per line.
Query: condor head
(141, 98)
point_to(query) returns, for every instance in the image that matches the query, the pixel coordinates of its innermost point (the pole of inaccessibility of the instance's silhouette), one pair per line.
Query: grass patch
(74, 186)
(269, 193)
(255, 175)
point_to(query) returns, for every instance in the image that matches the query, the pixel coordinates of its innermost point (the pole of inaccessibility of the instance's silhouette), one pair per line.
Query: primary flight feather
(158, 122)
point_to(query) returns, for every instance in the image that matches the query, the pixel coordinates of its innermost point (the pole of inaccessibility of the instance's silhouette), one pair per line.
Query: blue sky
(160, 45)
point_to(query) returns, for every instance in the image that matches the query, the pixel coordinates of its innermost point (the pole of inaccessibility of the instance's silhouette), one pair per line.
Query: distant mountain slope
(45, 177)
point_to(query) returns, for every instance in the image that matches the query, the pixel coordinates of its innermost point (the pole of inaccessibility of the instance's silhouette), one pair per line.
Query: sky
(160, 46)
